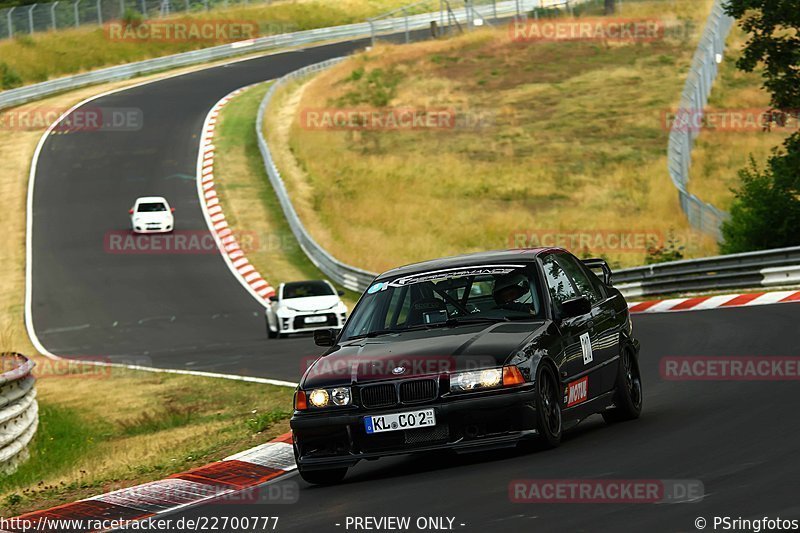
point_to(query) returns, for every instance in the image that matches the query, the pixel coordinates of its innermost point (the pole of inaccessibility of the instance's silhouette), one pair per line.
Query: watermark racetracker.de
(194, 242)
(182, 30)
(730, 120)
(83, 119)
(402, 118)
(729, 368)
(392, 365)
(85, 366)
(608, 491)
(598, 29)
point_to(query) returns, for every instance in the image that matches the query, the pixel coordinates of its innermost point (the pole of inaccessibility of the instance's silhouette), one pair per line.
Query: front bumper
(479, 422)
(161, 229)
(296, 323)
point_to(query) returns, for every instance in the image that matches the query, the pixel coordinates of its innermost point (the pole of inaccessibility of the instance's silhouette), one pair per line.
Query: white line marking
(29, 234)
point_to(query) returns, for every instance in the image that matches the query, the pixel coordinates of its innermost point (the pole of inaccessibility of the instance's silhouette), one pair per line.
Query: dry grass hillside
(550, 138)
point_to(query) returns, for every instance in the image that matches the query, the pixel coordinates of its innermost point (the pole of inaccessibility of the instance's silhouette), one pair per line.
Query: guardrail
(348, 276)
(767, 268)
(13, 97)
(19, 412)
(683, 133)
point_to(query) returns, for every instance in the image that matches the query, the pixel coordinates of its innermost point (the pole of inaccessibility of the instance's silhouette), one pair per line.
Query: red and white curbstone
(232, 480)
(699, 303)
(214, 213)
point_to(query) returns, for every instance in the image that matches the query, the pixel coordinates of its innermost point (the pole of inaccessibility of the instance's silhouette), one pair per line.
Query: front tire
(628, 394)
(330, 476)
(271, 334)
(548, 408)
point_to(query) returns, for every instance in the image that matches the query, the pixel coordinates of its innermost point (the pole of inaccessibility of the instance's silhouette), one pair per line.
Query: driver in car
(512, 293)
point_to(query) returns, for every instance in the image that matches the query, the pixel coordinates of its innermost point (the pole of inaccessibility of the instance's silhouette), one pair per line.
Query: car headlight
(339, 396)
(475, 380)
(490, 378)
(319, 398)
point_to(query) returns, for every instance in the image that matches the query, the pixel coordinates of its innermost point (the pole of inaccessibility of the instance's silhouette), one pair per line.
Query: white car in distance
(152, 214)
(301, 306)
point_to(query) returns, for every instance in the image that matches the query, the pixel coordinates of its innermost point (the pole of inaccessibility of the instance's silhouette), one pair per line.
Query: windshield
(151, 207)
(447, 298)
(304, 289)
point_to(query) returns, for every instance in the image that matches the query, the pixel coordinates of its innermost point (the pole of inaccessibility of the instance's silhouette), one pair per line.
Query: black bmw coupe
(466, 353)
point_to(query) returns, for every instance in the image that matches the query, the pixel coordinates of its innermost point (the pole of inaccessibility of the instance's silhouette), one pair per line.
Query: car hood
(421, 352)
(310, 303)
(161, 216)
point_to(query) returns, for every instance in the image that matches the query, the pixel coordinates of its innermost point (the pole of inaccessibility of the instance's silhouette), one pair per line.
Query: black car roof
(525, 255)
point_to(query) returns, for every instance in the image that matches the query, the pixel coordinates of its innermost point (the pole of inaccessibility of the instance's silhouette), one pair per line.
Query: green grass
(157, 425)
(249, 201)
(63, 437)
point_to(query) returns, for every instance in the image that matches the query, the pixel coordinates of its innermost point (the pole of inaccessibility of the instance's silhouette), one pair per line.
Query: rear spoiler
(600, 267)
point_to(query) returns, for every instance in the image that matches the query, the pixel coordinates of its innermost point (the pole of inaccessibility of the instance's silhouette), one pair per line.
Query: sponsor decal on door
(577, 392)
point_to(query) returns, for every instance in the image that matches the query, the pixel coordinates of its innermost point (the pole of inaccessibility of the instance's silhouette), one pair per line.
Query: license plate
(399, 421)
(315, 319)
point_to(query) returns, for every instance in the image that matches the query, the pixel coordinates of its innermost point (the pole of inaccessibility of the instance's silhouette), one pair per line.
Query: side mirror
(576, 307)
(130, 211)
(340, 293)
(325, 337)
(272, 299)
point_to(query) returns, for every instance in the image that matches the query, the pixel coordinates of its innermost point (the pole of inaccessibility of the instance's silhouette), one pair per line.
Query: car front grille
(419, 390)
(384, 395)
(422, 435)
(330, 320)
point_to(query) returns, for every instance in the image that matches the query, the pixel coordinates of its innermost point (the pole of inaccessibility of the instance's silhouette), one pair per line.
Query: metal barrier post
(53, 15)
(10, 22)
(408, 36)
(99, 13)
(30, 18)
(77, 15)
(371, 31)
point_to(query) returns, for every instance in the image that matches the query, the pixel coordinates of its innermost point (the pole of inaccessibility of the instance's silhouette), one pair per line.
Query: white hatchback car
(301, 306)
(152, 214)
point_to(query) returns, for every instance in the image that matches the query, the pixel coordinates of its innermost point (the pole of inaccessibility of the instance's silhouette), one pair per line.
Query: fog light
(341, 396)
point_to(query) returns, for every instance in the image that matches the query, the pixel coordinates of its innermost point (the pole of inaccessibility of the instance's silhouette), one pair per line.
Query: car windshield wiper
(479, 319)
(375, 333)
(475, 320)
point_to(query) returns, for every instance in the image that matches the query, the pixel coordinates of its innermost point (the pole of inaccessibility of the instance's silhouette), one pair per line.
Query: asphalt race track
(188, 311)
(739, 439)
(166, 310)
